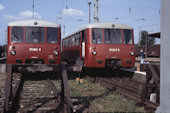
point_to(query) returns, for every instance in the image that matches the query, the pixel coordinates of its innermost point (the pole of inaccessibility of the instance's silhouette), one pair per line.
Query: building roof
(34, 23)
(107, 25)
(156, 35)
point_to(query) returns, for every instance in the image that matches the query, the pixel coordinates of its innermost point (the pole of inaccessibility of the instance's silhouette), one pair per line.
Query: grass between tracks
(96, 98)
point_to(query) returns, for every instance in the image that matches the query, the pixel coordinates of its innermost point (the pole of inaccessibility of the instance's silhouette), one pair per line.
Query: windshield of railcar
(34, 34)
(17, 34)
(127, 36)
(112, 36)
(96, 36)
(52, 35)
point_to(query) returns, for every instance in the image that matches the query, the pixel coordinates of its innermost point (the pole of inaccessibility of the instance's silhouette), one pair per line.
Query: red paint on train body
(33, 42)
(97, 46)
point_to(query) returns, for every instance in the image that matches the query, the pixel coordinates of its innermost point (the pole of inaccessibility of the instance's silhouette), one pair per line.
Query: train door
(83, 43)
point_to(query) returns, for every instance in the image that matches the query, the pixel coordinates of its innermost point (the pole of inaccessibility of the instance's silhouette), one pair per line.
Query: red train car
(33, 42)
(151, 50)
(100, 45)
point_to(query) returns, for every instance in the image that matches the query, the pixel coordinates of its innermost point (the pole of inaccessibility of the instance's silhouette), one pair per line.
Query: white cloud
(72, 12)
(25, 15)
(1, 7)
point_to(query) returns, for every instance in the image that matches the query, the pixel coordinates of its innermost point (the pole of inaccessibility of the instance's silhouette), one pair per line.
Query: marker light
(56, 53)
(94, 52)
(131, 53)
(13, 52)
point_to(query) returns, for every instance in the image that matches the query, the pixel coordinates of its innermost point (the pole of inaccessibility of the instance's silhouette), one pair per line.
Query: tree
(3, 50)
(144, 36)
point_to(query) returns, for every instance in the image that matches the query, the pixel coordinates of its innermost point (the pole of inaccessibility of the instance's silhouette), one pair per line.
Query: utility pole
(164, 68)
(139, 34)
(66, 5)
(60, 17)
(146, 44)
(64, 30)
(89, 11)
(96, 7)
(97, 10)
(94, 11)
(33, 10)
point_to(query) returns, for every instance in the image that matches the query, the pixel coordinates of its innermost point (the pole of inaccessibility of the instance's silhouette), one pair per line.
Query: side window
(77, 37)
(69, 42)
(84, 36)
(73, 41)
(96, 36)
(127, 36)
(64, 44)
(17, 34)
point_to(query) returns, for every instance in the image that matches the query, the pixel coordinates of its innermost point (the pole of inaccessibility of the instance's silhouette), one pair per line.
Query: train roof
(102, 25)
(107, 25)
(34, 23)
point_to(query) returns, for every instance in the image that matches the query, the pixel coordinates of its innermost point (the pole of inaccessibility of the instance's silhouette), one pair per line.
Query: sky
(140, 14)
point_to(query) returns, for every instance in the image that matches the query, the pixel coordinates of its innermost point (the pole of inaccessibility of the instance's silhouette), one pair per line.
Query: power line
(145, 26)
(151, 25)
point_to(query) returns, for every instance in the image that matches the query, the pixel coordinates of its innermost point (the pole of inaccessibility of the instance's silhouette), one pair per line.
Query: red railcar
(33, 42)
(100, 45)
(150, 50)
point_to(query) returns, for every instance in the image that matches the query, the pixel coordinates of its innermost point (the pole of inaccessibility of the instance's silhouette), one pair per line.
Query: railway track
(127, 87)
(2, 84)
(39, 93)
(35, 94)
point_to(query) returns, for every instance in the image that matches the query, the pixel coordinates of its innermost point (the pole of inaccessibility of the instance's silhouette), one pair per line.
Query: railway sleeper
(12, 94)
(141, 99)
(121, 85)
(122, 90)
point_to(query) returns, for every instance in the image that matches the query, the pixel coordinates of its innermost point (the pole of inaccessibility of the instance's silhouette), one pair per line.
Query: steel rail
(124, 87)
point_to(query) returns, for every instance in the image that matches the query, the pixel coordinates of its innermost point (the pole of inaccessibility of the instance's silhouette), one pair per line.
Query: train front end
(33, 43)
(111, 45)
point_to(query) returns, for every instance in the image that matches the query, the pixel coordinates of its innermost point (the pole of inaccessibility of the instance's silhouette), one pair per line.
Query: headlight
(13, 52)
(132, 53)
(94, 52)
(56, 52)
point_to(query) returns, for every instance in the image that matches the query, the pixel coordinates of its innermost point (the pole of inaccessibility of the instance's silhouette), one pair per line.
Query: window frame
(115, 35)
(131, 37)
(42, 39)
(101, 41)
(12, 34)
(56, 35)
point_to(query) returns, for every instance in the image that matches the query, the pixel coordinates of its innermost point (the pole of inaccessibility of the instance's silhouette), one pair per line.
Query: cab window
(96, 36)
(127, 36)
(35, 35)
(112, 36)
(52, 35)
(17, 34)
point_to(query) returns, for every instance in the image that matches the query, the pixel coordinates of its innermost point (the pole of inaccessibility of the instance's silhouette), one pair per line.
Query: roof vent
(35, 23)
(113, 25)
